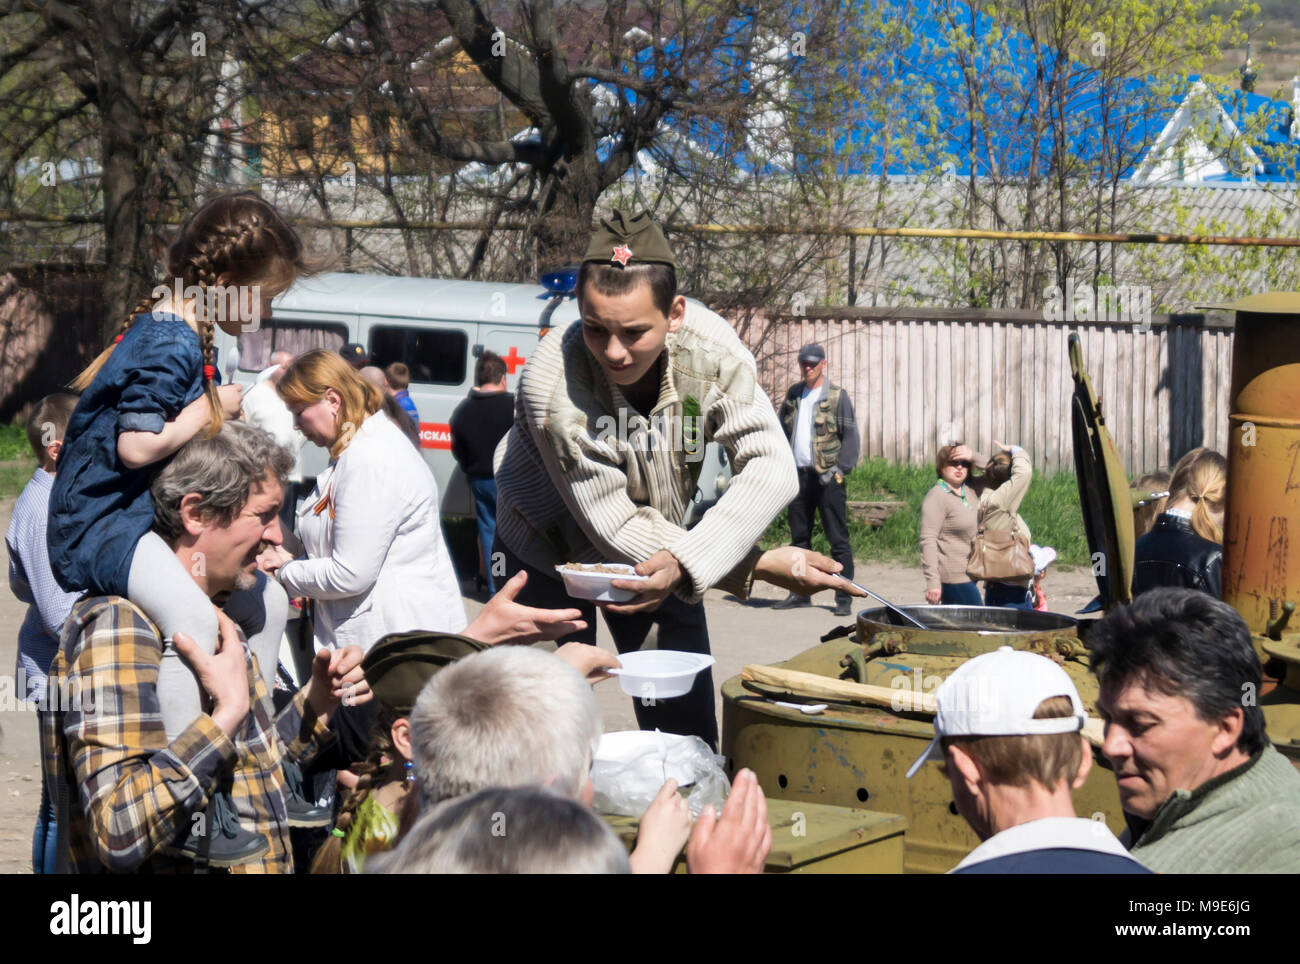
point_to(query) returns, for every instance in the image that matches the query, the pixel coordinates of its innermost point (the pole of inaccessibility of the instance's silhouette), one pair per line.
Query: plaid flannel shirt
(129, 792)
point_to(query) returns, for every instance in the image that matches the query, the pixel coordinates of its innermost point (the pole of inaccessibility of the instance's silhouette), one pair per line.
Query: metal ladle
(890, 606)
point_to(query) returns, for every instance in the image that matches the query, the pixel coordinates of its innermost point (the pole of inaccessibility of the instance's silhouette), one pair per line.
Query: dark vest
(826, 441)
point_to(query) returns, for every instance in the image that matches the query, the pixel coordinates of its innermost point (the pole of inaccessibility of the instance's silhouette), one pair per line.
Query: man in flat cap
(817, 416)
(611, 420)
(356, 355)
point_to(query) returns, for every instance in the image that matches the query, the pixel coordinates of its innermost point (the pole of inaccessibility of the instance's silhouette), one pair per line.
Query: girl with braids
(396, 668)
(371, 813)
(145, 396)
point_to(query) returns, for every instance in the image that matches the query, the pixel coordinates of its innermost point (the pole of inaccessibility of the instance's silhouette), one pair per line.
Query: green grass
(1050, 509)
(13, 443)
(16, 460)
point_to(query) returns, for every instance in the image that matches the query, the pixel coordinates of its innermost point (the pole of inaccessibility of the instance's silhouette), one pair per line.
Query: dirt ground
(740, 633)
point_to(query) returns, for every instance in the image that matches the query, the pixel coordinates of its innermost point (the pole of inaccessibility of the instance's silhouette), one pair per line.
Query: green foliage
(1051, 510)
(16, 461)
(1218, 273)
(13, 443)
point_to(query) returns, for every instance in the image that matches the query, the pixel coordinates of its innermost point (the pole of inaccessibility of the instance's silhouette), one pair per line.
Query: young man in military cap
(817, 415)
(611, 421)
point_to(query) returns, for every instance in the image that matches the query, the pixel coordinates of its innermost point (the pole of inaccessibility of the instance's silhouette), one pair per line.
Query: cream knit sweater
(583, 477)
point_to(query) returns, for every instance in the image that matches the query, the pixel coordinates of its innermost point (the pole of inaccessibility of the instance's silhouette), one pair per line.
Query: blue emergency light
(562, 281)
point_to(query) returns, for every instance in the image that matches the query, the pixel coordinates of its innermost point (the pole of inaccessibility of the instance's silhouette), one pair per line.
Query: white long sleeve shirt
(377, 562)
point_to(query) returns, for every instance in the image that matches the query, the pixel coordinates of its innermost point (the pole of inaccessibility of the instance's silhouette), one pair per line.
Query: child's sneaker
(218, 840)
(302, 812)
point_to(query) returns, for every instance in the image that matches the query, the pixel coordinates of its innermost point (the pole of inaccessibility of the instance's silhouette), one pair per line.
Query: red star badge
(622, 254)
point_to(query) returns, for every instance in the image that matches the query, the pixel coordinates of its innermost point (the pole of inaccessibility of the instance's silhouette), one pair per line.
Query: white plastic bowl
(586, 583)
(660, 674)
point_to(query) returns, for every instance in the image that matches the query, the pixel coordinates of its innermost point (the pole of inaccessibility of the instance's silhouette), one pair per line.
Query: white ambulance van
(438, 328)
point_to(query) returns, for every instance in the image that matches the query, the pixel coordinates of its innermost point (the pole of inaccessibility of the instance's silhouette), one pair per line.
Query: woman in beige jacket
(949, 517)
(1006, 480)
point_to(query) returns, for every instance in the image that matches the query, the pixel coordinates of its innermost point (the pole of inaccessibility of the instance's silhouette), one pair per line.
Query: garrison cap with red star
(623, 240)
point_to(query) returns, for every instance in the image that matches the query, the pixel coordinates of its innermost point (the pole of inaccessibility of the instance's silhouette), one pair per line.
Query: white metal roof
(432, 298)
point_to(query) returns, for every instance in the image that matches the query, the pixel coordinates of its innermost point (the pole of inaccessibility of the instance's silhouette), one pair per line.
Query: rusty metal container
(1261, 562)
(1261, 565)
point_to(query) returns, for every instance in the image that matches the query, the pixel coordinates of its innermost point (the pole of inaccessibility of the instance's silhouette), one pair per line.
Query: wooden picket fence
(922, 377)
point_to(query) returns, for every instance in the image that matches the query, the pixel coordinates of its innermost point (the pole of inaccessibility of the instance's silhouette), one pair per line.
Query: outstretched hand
(739, 841)
(802, 571)
(503, 620)
(664, 830)
(336, 677)
(590, 661)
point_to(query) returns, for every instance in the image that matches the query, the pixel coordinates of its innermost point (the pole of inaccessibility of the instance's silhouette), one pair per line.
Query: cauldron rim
(1031, 621)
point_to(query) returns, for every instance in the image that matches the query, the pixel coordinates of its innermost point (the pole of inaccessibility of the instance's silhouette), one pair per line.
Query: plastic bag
(631, 766)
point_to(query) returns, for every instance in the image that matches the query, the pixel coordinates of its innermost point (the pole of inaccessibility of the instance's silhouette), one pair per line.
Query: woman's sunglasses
(962, 464)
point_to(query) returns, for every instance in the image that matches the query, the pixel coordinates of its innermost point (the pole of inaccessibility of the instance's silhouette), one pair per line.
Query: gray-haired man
(513, 716)
(129, 796)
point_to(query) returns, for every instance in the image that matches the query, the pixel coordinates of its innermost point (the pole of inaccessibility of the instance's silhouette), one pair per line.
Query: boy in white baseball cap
(1008, 728)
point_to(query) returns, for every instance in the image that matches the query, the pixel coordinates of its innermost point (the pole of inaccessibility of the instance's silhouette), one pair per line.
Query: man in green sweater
(1203, 789)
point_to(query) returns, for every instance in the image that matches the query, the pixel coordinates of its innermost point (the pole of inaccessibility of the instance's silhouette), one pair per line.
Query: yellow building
(325, 117)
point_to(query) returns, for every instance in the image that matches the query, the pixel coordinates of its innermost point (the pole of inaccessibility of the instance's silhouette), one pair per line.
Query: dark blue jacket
(99, 508)
(1058, 860)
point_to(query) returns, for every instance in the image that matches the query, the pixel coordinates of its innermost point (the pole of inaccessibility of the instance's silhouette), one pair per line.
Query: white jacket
(265, 409)
(372, 528)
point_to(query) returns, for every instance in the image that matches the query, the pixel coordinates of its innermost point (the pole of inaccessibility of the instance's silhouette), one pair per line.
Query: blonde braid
(224, 246)
(329, 859)
(205, 273)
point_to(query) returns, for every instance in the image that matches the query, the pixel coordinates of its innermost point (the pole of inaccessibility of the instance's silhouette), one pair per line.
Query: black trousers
(832, 501)
(674, 625)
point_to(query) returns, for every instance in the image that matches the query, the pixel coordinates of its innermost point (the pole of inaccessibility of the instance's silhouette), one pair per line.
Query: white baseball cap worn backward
(996, 694)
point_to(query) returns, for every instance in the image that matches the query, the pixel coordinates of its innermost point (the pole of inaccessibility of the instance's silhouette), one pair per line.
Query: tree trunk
(127, 164)
(562, 226)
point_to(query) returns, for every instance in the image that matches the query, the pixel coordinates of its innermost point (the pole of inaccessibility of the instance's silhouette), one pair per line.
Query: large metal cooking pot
(967, 630)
